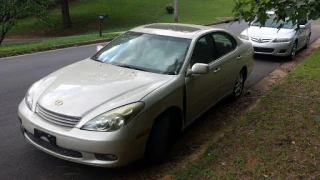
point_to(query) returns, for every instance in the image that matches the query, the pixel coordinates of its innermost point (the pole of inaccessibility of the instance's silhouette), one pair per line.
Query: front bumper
(275, 49)
(85, 147)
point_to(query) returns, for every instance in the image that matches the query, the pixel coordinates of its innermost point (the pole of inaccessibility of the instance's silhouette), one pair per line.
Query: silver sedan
(272, 41)
(135, 95)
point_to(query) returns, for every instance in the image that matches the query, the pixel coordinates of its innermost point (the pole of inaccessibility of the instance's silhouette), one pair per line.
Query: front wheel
(307, 43)
(293, 51)
(239, 85)
(158, 139)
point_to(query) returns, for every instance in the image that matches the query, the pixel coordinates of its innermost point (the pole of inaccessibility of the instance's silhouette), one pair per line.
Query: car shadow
(188, 142)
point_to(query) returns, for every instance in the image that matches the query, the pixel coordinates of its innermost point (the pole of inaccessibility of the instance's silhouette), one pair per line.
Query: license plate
(39, 134)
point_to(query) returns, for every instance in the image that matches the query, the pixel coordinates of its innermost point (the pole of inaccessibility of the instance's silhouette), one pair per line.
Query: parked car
(134, 96)
(272, 41)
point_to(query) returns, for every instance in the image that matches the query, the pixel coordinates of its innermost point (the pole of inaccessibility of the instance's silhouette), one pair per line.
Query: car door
(202, 90)
(228, 59)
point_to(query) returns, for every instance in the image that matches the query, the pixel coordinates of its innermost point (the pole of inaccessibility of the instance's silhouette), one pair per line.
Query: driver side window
(302, 21)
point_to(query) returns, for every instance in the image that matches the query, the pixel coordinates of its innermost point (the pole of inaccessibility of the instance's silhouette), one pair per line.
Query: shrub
(170, 9)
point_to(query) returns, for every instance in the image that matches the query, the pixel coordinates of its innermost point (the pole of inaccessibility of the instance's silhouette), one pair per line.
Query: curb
(276, 76)
(222, 22)
(17, 53)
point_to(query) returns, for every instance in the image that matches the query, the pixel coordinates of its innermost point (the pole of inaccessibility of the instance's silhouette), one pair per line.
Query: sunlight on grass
(124, 15)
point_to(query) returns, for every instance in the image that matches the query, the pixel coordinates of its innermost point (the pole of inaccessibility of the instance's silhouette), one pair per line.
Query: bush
(170, 9)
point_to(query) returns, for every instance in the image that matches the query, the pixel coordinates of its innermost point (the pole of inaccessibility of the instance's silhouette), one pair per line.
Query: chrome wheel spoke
(239, 85)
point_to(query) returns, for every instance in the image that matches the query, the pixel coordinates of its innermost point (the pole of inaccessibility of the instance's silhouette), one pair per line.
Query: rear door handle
(216, 70)
(239, 57)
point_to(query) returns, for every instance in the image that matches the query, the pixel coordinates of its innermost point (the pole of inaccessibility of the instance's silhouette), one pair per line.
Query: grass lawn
(10, 49)
(278, 139)
(123, 15)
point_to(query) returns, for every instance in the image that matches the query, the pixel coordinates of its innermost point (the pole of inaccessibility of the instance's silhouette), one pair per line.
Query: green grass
(9, 49)
(123, 15)
(278, 139)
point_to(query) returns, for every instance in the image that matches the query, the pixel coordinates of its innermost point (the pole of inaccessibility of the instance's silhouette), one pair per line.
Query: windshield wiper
(131, 67)
(95, 59)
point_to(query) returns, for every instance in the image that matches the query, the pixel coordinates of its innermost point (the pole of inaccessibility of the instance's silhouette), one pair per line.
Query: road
(19, 159)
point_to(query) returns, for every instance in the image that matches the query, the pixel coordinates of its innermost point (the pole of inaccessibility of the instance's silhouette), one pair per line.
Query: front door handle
(216, 70)
(239, 57)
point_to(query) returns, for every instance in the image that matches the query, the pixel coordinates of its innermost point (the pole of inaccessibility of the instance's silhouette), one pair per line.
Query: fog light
(106, 157)
(283, 51)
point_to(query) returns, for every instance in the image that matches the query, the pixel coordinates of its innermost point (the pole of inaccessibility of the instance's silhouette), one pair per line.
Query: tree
(11, 10)
(286, 10)
(176, 11)
(66, 20)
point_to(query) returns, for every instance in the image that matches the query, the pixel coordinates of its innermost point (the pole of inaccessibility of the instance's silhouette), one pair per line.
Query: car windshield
(273, 24)
(146, 52)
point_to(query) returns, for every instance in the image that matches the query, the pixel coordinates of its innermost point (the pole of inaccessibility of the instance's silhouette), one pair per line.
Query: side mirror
(99, 47)
(198, 68)
(302, 26)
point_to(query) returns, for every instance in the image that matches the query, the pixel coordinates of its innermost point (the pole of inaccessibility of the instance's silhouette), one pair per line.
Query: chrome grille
(260, 40)
(60, 119)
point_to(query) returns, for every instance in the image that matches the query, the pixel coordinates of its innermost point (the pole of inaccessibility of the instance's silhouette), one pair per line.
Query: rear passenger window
(224, 43)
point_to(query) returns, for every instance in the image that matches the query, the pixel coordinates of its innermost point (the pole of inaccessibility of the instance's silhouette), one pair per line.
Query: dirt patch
(251, 163)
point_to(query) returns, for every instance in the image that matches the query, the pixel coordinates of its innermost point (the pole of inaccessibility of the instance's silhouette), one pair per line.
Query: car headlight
(278, 40)
(243, 36)
(115, 119)
(30, 93)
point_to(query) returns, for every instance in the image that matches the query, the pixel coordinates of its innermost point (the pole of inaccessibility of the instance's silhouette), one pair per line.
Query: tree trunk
(176, 11)
(3, 33)
(66, 21)
(7, 23)
(1, 38)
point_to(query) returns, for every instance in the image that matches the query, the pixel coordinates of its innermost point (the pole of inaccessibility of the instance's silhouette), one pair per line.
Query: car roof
(187, 31)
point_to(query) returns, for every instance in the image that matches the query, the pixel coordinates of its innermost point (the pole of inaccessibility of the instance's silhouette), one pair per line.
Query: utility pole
(176, 11)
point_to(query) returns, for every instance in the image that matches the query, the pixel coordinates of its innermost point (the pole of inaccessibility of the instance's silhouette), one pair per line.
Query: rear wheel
(158, 139)
(293, 51)
(238, 87)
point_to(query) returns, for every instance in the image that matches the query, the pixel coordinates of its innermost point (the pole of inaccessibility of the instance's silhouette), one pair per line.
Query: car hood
(86, 85)
(267, 32)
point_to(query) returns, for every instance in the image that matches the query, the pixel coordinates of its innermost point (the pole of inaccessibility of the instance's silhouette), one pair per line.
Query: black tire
(157, 145)
(239, 85)
(307, 43)
(293, 51)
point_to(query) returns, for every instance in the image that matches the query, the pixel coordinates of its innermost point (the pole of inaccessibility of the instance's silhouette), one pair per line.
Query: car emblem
(260, 41)
(58, 103)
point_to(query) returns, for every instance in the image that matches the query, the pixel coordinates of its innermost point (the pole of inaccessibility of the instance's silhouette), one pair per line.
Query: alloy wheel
(307, 43)
(293, 51)
(239, 85)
